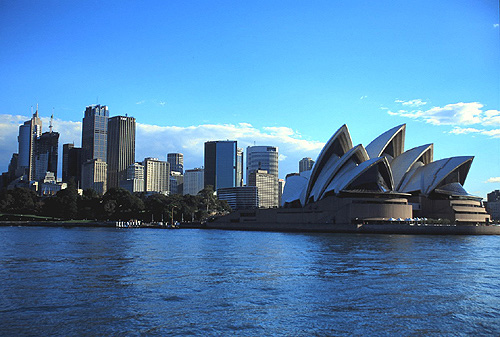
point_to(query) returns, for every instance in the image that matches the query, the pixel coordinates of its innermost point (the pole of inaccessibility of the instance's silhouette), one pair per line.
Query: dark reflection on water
(57, 281)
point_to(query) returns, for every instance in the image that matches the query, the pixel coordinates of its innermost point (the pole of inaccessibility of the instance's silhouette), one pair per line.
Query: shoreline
(386, 228)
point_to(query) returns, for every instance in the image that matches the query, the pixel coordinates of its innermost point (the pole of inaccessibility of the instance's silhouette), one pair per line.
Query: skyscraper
(65, 161)
(46, 148)
(156, 175)
(267, 188)
(95, 133)
(176, 161)
(305, 164)
(262, 158)
(176, 183)
(94, 172)
(239, 167)
(193, 181)
(28, 133)
(121, 148)
(72, 168)
(221, 164)
(135, 178)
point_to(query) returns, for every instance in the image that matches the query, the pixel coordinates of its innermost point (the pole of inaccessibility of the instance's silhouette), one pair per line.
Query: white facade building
(94, 175)
(193, 181)
(135, 178)
(262, 158)
(156, 175)
(267, 188)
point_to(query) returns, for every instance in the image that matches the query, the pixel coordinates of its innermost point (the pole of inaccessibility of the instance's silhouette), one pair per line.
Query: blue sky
(283, 73)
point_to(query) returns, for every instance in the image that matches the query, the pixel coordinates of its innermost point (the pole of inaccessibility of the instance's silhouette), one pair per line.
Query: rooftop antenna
(51, 119)
(36, 112)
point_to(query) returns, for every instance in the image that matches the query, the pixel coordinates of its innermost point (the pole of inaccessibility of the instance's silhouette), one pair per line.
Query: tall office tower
(493, 196)
(281, 187)
(135, 178)
(65, 161)
(46, 148)
(239, 167)
(176, 183)
(28, 133)
(95, 133)
(121, 148)
(176, 161)
(94, 174)
(193, 181)
(75, 165)
(262, 158)
(305, 164)
(267, 188)
(156, 175)
(221, 164)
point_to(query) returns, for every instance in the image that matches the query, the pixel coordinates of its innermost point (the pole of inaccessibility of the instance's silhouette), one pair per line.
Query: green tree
(89, 205)
(120, 204)
(19, 200)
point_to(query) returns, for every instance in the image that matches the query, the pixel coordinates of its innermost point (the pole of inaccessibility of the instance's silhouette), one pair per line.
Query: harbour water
(111, 281)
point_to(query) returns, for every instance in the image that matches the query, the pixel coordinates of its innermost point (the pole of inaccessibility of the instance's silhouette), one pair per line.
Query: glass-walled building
(221, 158)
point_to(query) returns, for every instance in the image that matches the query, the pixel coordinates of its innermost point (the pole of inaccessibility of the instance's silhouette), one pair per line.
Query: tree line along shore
(116, 204)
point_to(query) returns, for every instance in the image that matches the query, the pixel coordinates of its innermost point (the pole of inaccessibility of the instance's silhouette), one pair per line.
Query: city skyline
(258, 72)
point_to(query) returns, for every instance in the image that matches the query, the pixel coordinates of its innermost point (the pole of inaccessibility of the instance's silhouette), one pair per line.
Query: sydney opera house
(381, 184)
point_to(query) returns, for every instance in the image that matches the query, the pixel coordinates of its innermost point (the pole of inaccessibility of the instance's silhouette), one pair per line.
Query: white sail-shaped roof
(365, 176)
(294, 187)
(391, 143)
(356, 155)
(441, 172)
(336, 147)
(403, 163)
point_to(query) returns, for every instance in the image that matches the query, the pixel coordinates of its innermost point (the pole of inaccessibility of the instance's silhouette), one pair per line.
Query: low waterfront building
(245, 197)
(49, 186)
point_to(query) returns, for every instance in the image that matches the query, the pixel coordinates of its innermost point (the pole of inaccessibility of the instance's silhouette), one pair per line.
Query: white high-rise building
(156, 175)
(267, 188)
(94, 174)
(305, 164)
(176, 161)
(135, 178)
(176, 182)
(193, 181)
(262, 158)
(281, 187)
(29, 132)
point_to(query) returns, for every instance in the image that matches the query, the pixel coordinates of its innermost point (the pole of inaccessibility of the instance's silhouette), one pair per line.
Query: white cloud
(363, 97)
(412, 103)
(494, 133)
(451, 114)
(141, 102)
(496, 25)
(493, 180)
(162, 103)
